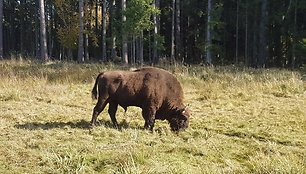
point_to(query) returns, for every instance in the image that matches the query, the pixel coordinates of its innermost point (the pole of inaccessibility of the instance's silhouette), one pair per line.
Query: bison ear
(118, 79)
(183, 110)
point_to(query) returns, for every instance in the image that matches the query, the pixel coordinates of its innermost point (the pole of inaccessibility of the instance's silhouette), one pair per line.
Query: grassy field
(243, 121)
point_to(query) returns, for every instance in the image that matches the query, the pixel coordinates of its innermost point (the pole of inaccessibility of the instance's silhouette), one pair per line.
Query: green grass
(243, 121)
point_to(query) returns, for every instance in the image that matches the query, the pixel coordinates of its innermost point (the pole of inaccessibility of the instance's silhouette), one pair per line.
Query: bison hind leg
(96, 111)
(112, 113)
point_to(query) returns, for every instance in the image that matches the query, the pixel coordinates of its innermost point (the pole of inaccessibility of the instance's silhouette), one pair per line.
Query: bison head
(180, 120)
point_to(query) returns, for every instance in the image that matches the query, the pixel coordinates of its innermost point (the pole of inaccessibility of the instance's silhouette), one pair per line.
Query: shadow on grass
(82, 124)
(258, 137)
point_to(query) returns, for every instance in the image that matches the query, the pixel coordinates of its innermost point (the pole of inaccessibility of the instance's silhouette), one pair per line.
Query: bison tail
(94, 93)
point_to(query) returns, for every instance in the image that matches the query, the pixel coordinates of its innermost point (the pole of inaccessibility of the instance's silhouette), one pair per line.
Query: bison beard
(156, 91)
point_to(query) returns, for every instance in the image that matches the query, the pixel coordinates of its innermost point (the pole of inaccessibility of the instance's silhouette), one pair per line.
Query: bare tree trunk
(112, 16)
(253, 59)
(178, 30)
(104, 31)
(237, 32)
(43, 35)
(50, 26)
(156, 20)
(86, 51)
(172, 33)
(97, 14)
(246, 37)
(88, 27)
(81, 32)
(141, 48)
(69, 54)
(11, 42)
(150, 49)
(37, 41)
(255, 47)
(22, 28)
(208, 59)
(263, 51)
(293, 61)
(124, 37)
(133, 50)
(1, 29)
(114, 52)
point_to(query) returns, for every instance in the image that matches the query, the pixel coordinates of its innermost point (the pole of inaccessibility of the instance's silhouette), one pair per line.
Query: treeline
(257, 33)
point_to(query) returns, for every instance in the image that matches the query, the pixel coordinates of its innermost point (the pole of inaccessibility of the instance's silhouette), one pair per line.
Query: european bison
(155, 90)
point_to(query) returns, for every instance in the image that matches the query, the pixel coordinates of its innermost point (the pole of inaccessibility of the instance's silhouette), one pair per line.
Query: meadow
(243, 121)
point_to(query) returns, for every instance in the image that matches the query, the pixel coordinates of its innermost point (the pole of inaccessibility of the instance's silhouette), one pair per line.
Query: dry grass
(243, 121)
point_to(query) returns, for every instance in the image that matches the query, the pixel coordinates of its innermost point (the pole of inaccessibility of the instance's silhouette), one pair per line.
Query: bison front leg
(97, 110)
(112, 113)
(149, 117)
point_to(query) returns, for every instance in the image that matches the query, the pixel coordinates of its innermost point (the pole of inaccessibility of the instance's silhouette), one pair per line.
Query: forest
(252, 33)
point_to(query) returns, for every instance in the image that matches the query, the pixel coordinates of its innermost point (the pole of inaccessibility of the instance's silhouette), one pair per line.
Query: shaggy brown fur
(156, 91)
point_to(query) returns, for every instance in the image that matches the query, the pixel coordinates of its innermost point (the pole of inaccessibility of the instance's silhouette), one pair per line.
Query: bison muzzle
(157, 92)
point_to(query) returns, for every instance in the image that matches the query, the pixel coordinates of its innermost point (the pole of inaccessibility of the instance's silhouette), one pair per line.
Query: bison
(156, 91)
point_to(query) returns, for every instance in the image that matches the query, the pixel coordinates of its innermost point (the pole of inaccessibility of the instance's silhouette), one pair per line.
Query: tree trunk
(263, 51)
(253, 59)
(69, 54)
(86, 51)
(114, 52)
(172, 33)
(178, 44)
(237, 32)
(124, 37)
(97, 14)
(293, 61)
(22, 28)
(104, 31)
(88, 27)
(141, 48)
(51, 23)
(150, 48)
(11, 42)
(113, 29)
(133, 50)
(81, 32)
(37, 41)
(246, 37)
(43, 35)
(208, 59)
(156, 20)
(1, 29)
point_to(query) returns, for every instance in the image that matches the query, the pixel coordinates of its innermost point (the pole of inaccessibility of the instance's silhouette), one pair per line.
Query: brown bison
(157, 92)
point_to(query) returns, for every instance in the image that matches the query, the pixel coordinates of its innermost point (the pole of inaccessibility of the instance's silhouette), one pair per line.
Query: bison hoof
(91, 125)
(116, 126)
